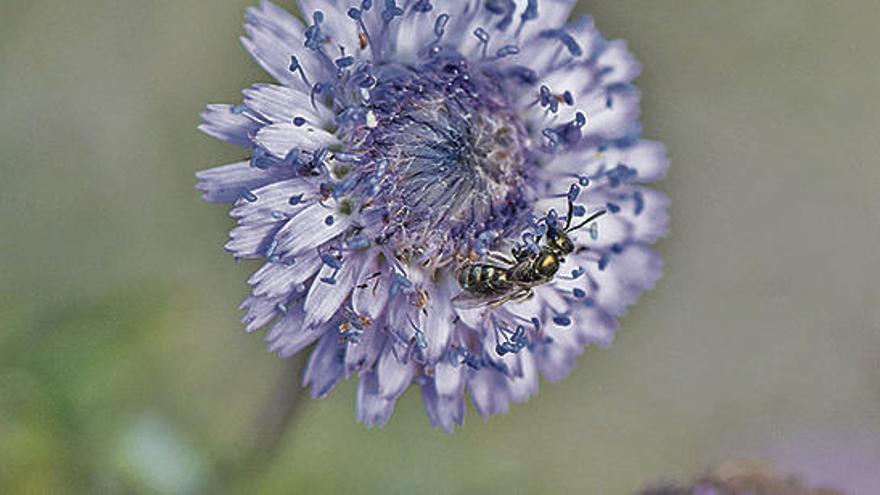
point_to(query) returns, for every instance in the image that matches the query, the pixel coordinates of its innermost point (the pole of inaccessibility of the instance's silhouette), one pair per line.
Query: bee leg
(515, 297)
(523, 296)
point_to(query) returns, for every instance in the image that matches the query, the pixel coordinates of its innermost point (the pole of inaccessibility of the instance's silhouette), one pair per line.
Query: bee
(502, 277)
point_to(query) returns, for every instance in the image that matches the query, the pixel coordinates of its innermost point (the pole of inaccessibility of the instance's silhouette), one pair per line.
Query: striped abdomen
(483, 279)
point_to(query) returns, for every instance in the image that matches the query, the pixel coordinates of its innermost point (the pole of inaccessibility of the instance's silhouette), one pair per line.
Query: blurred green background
(123, 367)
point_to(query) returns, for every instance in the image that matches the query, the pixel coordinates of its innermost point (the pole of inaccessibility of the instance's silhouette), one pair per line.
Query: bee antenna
(568, 216)
(588, 220)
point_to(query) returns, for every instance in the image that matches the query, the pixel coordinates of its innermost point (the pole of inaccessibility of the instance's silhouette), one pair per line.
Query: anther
(344, 62)
(506, 51)
(562, 320)
(573, 192)
(639, 201)
(331, 261)
(530, 14)
(270, 251)
(358, 243)
(391, 11)
(440, 25)
(422, 6)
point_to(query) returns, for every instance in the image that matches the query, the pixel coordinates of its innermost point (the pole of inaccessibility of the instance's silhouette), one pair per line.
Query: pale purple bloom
(404, 137)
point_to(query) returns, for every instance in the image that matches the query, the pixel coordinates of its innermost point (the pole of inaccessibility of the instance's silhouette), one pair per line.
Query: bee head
(561, 243)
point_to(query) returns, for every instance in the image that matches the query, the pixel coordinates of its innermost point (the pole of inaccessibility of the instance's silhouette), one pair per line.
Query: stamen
(358, 243)
(295, 66)
(530, 14)
(567, 40)
(261, 159)
(314, 38)
(391, 11)
(573, 192)
(344, 62)
(502, 7)
(639, 201)
(562, 320)
(483, 36)
(270, 251)
(440, 26)
(422, 6)
(524, 74)
(331, 261)
(507, 51)
(356, 15)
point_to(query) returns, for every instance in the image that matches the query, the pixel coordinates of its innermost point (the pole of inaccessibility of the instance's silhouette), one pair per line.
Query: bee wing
(499, 258)
(466, 300)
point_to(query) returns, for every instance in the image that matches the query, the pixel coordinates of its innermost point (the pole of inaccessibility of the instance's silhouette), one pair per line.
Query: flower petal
(372, 408)
(372, 300)
(227, 183)
(324, 299)
(281, 139)
(222, 122)
(325, 367)
(273, 36)
(438, 322)
(394, 375)
(288, 336)
(277, 279)
(489, 392)
(627, 275)
(308, 230)
(445, 412)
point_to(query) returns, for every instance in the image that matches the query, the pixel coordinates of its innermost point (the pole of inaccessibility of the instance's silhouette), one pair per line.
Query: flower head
(413, 154)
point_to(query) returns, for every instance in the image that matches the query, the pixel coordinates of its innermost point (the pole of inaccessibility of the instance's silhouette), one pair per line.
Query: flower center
(452, 156)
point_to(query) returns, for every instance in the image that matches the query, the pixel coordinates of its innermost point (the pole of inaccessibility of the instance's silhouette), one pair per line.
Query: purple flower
(407, 141)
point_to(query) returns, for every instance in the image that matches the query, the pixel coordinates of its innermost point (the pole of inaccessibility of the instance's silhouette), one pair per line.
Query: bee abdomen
(482, 278)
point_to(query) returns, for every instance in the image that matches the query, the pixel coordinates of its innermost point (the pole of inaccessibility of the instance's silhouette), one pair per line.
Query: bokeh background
(123, 367)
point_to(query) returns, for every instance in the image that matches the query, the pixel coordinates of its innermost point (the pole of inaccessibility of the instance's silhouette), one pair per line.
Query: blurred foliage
(123, 367)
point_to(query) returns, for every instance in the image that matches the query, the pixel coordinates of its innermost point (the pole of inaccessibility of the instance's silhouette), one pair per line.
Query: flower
(403, 143)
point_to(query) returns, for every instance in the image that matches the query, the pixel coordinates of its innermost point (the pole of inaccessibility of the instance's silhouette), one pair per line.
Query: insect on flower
(512, 277)
(392, 186)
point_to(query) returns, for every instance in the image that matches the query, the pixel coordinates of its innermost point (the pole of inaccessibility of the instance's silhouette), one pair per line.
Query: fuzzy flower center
(452, 157)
